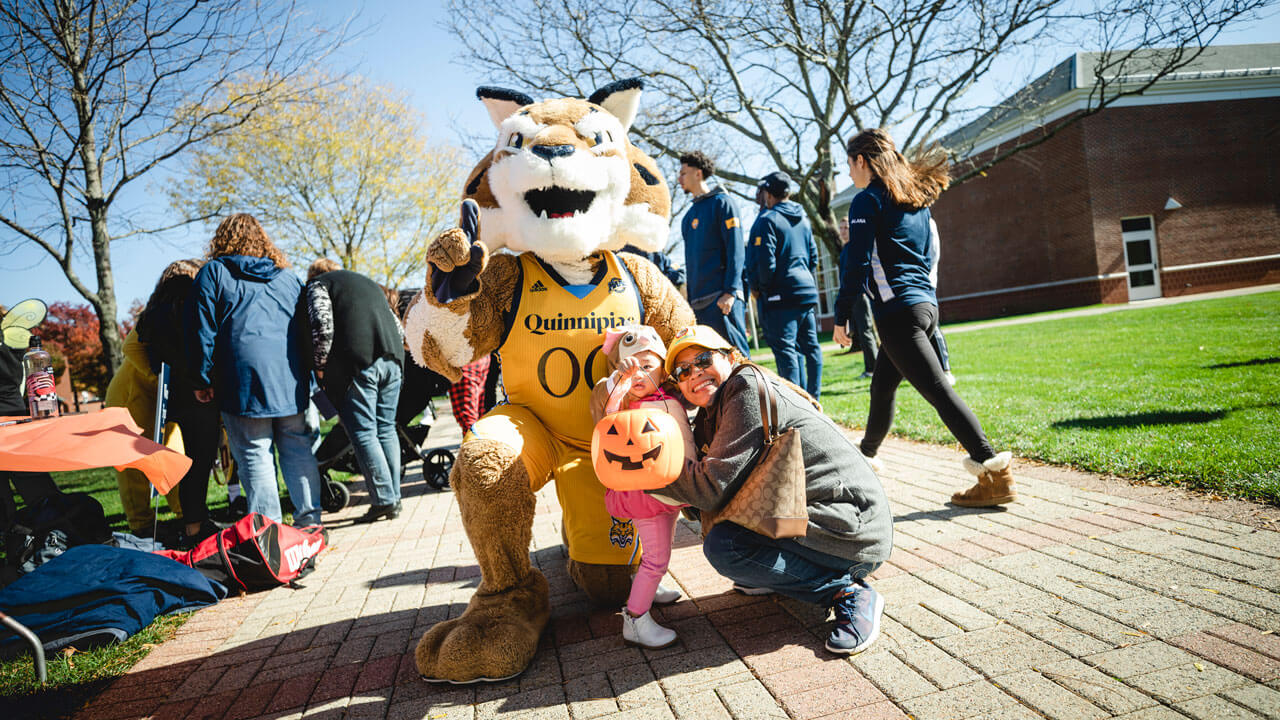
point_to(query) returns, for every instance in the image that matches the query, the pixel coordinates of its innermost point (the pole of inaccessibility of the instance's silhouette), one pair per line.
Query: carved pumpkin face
(637, 450)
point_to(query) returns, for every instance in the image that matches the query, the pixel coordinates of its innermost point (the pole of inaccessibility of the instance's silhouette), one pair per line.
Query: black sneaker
(858, 609)
(390, 512)
(207, 529)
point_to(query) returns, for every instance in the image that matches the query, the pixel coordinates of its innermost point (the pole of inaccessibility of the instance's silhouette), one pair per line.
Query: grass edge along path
(76, 678)
(1185, 394)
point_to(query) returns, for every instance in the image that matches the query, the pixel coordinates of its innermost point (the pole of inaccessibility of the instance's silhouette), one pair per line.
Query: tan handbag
(771, 501)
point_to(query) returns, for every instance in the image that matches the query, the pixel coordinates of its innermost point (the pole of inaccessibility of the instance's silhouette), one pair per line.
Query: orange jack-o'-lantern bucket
(637, 450)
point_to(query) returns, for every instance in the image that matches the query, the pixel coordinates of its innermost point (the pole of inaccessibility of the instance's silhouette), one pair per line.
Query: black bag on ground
(51, 524)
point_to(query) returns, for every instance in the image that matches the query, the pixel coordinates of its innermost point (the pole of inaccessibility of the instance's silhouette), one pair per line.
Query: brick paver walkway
(1084, 600)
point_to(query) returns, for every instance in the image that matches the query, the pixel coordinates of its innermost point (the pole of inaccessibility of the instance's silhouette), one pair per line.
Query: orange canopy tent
(79, 442)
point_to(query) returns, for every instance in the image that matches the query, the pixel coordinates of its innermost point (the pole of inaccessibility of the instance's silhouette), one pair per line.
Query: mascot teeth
(558, 202)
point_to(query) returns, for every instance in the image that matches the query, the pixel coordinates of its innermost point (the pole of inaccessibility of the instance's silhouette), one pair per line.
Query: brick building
(1171, 192)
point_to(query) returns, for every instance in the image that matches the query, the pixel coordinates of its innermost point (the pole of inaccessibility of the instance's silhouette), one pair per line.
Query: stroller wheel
(334, 495)
(436, 466)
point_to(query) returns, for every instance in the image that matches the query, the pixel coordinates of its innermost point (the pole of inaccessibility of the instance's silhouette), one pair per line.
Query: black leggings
(905, 342)
(199, 424)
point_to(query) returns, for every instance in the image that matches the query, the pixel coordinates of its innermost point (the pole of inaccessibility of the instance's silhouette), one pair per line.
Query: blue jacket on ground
(782, 257)
(713, 250)
(243, 325)
(93, 595)
(888, 255)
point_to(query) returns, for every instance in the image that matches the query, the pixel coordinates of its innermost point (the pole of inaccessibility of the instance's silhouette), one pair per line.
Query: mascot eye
(628, 339)
(516, 141)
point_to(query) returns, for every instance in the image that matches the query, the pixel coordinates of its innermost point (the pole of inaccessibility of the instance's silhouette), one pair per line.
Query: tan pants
(135, 489)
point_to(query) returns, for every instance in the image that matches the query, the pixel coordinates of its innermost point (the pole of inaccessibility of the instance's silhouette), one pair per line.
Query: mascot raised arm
(562, 189)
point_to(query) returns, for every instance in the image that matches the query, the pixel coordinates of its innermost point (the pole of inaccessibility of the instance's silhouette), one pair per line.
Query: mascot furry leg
(562, 189)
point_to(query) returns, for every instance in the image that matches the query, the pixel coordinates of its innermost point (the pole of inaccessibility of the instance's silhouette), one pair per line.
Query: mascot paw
(450, 249)
(495, 639)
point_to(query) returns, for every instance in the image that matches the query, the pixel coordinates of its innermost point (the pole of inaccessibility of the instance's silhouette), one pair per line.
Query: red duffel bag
(257, 553)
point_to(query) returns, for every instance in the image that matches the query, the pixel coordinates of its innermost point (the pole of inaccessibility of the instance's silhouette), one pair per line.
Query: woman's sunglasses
(701, 361)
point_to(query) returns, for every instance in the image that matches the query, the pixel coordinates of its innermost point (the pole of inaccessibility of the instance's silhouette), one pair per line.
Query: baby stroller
(417, 388)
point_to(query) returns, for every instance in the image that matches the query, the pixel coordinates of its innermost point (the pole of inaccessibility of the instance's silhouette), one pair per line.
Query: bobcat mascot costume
(562, 189)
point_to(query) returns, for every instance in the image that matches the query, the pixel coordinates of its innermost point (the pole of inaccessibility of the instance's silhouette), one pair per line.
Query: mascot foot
(494, 640)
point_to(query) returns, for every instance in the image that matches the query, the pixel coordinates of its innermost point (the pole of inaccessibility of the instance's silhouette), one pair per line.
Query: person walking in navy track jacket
(889, 255)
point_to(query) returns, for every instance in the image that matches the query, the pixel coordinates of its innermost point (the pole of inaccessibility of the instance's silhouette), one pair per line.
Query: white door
(1140, 259)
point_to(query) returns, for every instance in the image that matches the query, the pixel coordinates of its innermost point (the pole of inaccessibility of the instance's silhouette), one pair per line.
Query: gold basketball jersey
(555, 340)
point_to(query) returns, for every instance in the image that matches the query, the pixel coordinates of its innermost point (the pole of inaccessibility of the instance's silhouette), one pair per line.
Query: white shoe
(665, 595)
(645, 632)
(748, 590)
(951, 378)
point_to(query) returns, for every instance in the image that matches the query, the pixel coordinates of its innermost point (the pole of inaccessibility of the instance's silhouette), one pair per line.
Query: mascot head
(564, 181)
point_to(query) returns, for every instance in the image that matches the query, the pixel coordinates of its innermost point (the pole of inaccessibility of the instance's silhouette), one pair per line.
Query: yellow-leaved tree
(343, 171)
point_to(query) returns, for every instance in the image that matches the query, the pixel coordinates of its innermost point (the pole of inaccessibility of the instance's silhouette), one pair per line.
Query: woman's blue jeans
(784, 566)
(368, 412)
(252, 440)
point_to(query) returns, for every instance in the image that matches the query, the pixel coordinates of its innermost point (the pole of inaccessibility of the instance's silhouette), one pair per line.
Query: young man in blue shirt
(713, 252)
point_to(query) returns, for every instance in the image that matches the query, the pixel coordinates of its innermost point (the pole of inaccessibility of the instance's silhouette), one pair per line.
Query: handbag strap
(768, 401)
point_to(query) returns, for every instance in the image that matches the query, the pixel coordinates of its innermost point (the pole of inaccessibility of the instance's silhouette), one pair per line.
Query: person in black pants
(889, 255)
(863, 326)
(30, 485)
(160, 330)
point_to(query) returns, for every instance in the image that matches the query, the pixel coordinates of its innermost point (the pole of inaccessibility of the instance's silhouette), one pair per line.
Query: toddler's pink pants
(656, 526)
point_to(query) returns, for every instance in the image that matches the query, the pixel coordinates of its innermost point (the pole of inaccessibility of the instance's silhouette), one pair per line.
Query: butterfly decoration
(20, 319)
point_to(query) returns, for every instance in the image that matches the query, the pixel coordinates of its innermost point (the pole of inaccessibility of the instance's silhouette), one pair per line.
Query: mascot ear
(502, 103)
(621, 98)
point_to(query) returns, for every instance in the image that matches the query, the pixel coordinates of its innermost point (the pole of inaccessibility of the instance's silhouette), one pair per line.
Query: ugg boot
(877, 465)
(994, 486)
(645, 632)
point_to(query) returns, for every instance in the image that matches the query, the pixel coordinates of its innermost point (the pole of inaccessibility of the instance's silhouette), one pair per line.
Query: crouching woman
(850, 529)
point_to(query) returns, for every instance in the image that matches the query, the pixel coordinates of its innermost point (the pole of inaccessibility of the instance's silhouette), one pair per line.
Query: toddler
(638, 355)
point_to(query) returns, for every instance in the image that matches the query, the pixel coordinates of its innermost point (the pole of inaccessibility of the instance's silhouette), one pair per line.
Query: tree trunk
(96, 204)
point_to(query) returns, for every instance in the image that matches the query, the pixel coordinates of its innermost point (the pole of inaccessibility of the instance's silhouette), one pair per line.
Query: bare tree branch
(92, 94)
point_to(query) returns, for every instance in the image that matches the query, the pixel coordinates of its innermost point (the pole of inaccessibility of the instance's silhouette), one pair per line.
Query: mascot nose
(547, 152)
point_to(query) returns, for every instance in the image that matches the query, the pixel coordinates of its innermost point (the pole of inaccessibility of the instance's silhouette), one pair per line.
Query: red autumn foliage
(73, 330)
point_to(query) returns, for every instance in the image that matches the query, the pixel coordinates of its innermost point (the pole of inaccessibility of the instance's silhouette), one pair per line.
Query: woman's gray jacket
(849, 515)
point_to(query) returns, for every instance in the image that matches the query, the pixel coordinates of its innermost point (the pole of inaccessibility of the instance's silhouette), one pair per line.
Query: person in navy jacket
(781, 264)
(713, 253)
(241, 324)
(889, 255)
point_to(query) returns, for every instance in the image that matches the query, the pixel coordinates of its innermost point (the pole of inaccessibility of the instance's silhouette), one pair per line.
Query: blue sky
(404, 47)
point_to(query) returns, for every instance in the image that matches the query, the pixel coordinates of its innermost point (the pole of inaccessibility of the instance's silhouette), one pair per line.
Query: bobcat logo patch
(622, 533)
(617, 286)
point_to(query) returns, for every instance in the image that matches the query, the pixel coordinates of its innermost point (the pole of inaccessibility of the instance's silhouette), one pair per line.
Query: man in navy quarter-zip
(782, 261)
(713, 252)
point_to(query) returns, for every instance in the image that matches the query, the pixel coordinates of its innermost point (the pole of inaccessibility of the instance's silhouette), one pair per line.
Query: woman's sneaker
(858, 609)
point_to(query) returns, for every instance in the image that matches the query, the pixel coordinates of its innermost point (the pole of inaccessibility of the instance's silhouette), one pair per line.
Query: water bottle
(42, 394)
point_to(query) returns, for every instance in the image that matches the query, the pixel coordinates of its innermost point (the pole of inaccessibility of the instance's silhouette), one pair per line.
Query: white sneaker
(665, 595)
(645, 632)
(748, 590)
(951, 379)
(877, 465)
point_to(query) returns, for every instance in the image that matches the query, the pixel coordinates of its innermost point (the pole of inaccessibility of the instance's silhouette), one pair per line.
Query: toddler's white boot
(645, 632)
(665, 595)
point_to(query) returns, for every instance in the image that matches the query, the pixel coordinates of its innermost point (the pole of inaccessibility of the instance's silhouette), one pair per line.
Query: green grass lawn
(77, 677)
(1185, 394)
